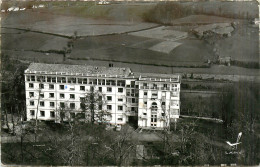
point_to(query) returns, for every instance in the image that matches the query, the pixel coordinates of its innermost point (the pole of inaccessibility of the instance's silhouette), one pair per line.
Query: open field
(201, 19)
(162, 32)
(32, 56)
(120, 49)
(115, 44)
(67, 25)
(243, 45)
(13, 39)
(242, 9)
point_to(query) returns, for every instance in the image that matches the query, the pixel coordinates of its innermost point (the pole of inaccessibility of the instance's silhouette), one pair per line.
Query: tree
(240, 112)
(123, 146)
(92, 104)
(12, 91)
(67, 145)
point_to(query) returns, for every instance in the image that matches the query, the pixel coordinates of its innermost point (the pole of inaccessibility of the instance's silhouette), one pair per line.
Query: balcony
(143, 116)
(154, 97)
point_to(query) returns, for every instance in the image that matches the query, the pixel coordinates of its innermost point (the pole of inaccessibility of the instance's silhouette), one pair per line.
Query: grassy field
(66, 25)
(246, 9)
(25, 40)
(243, 45)
(120, 48)
(103, 29)
(201, 19)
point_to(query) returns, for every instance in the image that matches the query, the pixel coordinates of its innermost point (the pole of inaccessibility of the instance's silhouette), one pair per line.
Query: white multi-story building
(152, 98)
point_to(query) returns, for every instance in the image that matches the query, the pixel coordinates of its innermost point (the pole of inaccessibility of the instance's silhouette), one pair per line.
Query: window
(132, 109)
(120, 90)
(32, 112)
(61, 87)
(62, 104)
(31, 103)
(109, 107)
(120, 108)
(165, 85)
(62, 96)
(61, 79)
(120, 99)
(42, 95)
(72, 96)
(154, 106)
(82, 88)
(82, 99)
(71, 80)
(100, 98)
(51, 86)
(145, 84)
(48, 79)
(145, 93)
(133, 100)
(41, 86)
(42, 113)
(52, 104)
(42, 103)
(72, 105)
(32, 78)
(31, 94)
(120, 119)
(53, 79)
(111, 64)
(163, 103)
(163, 114)
(30, 85)
(51, 95)
(145, 102)
(41, 78)
(109, 89)
(109, 98)
(52, 114)
(154, 118)
(154, 95)
(144, 113)
(100, 107)
(100, 89)
(155, 86)
(85, 81)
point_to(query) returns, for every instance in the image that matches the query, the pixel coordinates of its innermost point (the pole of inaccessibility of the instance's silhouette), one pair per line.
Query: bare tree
(92, 104)
(123, 146)
(68, 147)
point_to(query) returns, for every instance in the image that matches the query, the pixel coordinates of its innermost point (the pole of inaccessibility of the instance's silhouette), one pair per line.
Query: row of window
(52, 114)
(91, 81)
(82, 88)
(42, 113)
(52, 104)
(155, 85)
(72, 105)
(51, 95)
(72, 96)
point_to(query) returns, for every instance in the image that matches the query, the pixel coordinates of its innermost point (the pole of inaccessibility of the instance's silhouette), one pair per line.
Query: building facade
(152, 99)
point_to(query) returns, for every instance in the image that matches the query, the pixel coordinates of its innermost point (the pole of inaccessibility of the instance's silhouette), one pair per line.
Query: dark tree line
(12, 91)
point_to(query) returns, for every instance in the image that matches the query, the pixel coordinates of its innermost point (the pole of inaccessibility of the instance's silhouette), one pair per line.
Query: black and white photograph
(130, 83)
